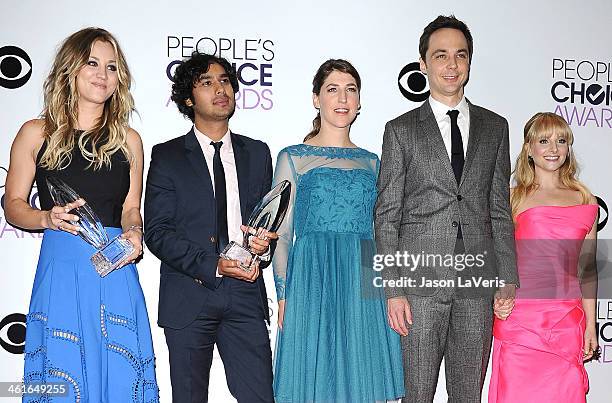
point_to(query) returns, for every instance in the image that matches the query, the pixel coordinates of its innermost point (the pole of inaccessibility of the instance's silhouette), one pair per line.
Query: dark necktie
(457, 159)
(220, 197)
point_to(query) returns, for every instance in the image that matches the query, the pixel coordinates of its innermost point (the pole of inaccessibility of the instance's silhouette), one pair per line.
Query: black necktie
(220, 197)
(457, 159)
(456, 153)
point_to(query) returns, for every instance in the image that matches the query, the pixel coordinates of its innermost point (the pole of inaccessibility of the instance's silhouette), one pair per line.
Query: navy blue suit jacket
(180, 220)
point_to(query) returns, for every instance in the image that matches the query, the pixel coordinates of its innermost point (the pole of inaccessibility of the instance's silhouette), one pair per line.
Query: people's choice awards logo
(412, 83)
(12, 333)
(583, 92)
(251, 57)
(15, 67)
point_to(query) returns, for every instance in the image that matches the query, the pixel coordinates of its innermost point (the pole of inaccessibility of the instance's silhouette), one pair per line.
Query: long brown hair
(60, 111)
(323, 72)
(543, 125)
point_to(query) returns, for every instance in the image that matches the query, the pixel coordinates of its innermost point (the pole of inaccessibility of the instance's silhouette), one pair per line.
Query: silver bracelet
(138, 227)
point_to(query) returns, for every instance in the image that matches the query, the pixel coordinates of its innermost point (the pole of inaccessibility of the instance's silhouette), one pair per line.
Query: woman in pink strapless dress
(541, 343)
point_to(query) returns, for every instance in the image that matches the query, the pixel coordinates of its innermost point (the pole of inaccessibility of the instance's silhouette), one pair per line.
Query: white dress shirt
(234, 217)
(444, 122)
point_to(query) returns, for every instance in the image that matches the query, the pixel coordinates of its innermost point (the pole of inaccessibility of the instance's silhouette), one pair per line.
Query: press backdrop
(529, 56)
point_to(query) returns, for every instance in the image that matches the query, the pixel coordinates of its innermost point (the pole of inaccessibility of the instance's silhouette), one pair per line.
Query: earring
(189, 103)
(530, 158)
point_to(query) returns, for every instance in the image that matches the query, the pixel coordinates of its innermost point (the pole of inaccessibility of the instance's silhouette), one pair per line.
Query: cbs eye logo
(601, 222)
(3, 173)
(13, 333)
(412, 83)
(15, 67)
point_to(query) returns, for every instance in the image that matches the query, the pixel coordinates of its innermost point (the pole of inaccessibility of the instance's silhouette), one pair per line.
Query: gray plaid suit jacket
(420, 205)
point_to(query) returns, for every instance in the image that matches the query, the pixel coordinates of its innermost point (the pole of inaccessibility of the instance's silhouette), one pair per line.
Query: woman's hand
(590, 343)
(281, 313)
(134, 235)
(503, 308)
(59, 218)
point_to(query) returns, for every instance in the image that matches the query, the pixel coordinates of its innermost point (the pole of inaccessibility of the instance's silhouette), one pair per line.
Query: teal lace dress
(336, 345)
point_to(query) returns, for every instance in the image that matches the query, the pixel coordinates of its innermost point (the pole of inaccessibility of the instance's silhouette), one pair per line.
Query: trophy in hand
(267, 216)
(110, 253)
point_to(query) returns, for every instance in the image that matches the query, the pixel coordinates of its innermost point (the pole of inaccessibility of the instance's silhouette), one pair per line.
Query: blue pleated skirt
(88, 332)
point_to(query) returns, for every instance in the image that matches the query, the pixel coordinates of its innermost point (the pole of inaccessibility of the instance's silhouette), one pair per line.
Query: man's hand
(504, 301)
(260, 241)
(399, 315)
(231, 268)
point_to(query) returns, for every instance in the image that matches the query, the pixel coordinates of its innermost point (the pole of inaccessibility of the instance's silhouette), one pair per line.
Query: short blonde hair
(543, 125)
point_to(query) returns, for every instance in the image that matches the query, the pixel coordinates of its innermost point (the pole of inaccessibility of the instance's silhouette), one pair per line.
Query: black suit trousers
(231, 318)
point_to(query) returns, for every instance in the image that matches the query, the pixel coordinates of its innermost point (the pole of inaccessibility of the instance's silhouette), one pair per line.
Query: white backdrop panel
(513, 70)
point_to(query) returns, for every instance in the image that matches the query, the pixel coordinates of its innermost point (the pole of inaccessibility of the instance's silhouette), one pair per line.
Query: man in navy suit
(200, 188)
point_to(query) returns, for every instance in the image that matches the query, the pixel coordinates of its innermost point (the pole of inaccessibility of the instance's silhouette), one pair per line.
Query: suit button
(459, 197)
(455, 224)
(212, 239)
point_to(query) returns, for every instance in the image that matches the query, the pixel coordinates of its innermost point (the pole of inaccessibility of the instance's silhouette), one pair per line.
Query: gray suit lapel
(473, 140)
(431, 130)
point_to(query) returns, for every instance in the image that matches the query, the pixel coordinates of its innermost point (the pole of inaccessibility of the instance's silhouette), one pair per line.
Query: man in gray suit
(444, 196)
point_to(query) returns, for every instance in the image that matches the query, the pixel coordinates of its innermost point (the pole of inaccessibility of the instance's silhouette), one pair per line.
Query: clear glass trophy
(266, 216)
(110, 253)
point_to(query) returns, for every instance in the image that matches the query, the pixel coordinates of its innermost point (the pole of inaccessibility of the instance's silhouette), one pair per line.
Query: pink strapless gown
(537, 352)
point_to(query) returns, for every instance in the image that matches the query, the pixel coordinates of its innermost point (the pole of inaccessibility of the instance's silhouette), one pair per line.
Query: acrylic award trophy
(110, 253)
(267, 216)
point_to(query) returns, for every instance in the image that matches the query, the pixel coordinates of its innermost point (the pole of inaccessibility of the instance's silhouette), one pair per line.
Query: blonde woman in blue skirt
(90, 333)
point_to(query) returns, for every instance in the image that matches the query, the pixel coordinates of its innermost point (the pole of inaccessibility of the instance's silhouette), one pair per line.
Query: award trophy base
(246, 259)
(110, 256)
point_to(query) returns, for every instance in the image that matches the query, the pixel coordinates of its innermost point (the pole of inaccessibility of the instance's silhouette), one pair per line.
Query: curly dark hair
(440, 22)
(188, 73)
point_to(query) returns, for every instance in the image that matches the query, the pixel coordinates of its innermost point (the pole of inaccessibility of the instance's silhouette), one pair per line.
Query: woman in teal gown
(333, 344)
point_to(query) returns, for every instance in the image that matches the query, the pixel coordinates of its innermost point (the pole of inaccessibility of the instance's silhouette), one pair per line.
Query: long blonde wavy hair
(60, 112)
(543, 125)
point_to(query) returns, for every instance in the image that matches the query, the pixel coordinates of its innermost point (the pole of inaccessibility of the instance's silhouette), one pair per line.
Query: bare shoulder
(134, 140)
(30, 136)
(592, 199)
(133, 135)
(32, 130)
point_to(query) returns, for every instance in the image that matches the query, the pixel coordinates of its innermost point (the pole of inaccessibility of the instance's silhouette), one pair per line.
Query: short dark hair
(188, 73)
(440, 22)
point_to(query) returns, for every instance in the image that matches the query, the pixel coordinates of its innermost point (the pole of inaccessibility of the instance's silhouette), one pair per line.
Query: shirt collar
(205, 140)
(439, 109)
